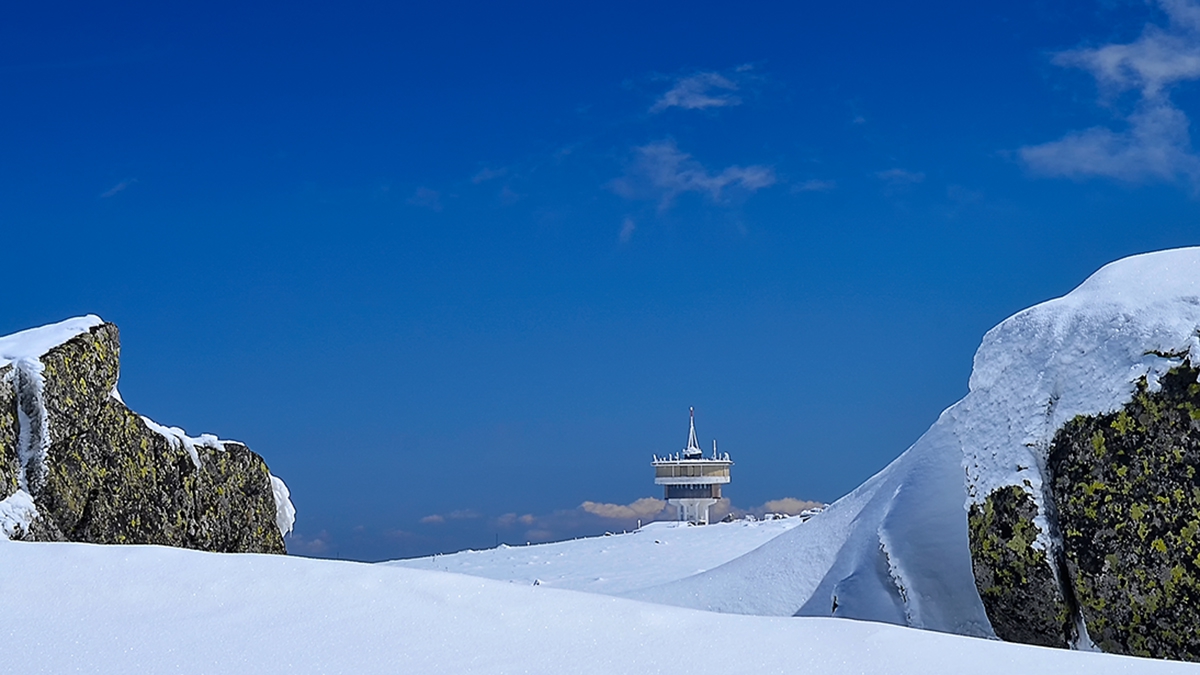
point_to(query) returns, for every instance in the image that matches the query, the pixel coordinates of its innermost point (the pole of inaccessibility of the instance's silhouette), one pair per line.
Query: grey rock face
(109, 478)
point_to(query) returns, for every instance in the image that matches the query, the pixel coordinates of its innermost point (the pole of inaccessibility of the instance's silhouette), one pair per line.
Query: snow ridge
(902, 535)
(178, 438)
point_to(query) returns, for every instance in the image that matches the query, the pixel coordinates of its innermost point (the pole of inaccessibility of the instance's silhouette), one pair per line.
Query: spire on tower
(692, 451)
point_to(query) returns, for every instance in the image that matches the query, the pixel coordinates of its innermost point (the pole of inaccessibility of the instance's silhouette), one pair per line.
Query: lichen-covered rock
(98, 472)
(1127, 493)
(1016, 582)
(9, 432)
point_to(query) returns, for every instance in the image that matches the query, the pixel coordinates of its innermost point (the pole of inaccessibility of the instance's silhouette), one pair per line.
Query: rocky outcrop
(10, 469)
(98, 472)
(1016, 581)
(1124, 504)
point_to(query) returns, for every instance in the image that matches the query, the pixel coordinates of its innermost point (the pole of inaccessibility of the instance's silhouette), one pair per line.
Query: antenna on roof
(692, 450)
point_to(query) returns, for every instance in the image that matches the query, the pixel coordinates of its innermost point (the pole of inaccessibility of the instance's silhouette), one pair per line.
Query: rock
(10, 469)
(1125, 492)
(1016, 582)
(100, 473)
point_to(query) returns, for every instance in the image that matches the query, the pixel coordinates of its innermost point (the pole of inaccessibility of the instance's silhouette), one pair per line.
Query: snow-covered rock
(898, 548)
(76, 464)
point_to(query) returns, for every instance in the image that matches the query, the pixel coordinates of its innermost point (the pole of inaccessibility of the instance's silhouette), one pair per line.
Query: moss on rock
(111, 479)
(1127, 493)
(1015, 580)
(9, 431)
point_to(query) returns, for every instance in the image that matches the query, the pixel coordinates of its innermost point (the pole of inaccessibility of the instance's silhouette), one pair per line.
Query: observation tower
(691, 482)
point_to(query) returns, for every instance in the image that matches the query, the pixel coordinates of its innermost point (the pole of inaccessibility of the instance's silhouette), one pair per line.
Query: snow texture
(17, 511)
(31, 344)
(617, 563)
(896, 548)
(285, 512)
(33, 438)
(150, 609)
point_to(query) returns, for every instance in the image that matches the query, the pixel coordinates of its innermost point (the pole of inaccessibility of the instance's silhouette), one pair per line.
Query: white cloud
(789, 505)
(662, 172)
(642, 508)
(1155, 142)
(699, 91)
(460, 514)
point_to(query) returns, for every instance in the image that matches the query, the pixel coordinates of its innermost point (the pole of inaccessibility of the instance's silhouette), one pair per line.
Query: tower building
(691, 482)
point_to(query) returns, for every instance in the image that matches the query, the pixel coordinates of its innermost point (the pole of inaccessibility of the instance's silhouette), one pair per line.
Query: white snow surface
(895, 549)
(285, 512)
(32, 343)
(150, 609)
(17, 511)
(614, 564)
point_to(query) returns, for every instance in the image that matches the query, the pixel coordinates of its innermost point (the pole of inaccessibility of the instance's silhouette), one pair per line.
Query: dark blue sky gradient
(381, 242)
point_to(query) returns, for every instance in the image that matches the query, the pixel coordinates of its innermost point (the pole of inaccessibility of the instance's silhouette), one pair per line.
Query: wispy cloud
(119, 187)
(699, 91)
(317, 544)
(815, 185)
(426, 198)
(1152, 141)
(661, 171)
(627, 228)
(591, 518)
(460, 514)
(485, 174)
(900, 177)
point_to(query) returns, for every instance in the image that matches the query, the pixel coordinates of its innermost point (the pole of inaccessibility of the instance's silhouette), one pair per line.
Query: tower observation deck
(691, 482)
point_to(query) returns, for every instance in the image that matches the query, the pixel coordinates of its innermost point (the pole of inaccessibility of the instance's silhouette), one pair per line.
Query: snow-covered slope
(126, 609)
(896, 549)
(614, 564)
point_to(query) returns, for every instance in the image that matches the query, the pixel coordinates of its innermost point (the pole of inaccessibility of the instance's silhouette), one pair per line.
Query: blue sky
(455, 269)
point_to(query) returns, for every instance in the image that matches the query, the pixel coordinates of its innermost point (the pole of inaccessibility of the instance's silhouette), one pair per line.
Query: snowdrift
(896, 549)
(149, 609)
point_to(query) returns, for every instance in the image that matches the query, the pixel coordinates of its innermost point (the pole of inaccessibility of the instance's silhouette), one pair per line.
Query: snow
(123, 609)
(17, 511)
(895, 549)
(655, 554)
(285, 512)
(892, 553)
(32, 343)
(178, 438)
